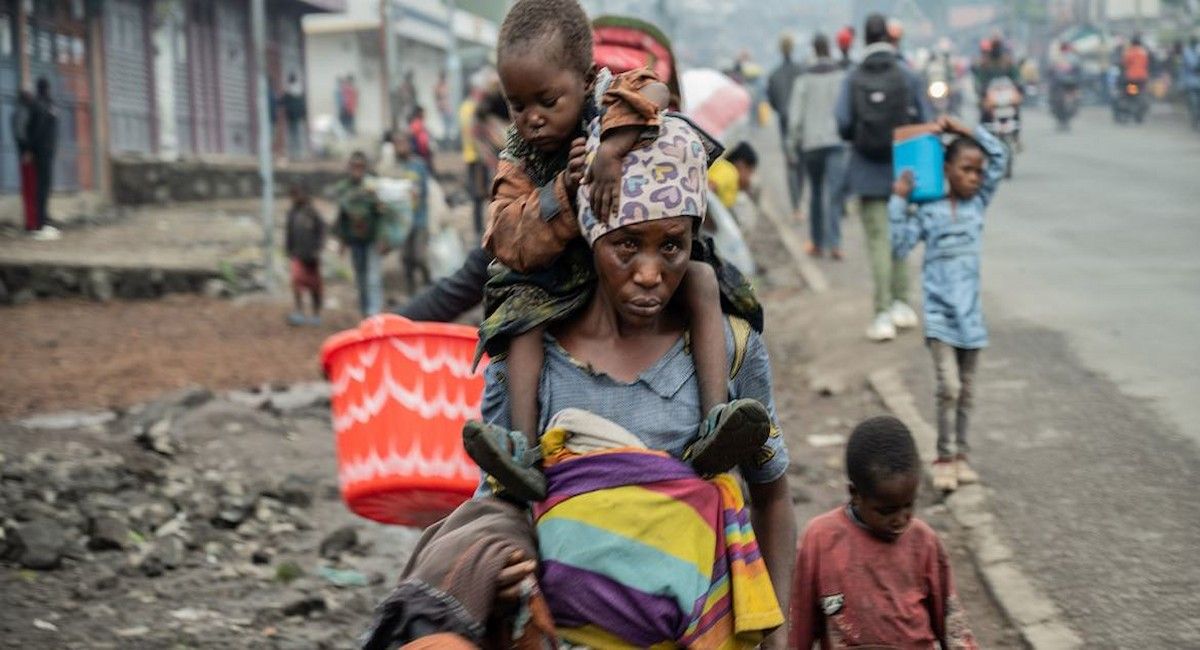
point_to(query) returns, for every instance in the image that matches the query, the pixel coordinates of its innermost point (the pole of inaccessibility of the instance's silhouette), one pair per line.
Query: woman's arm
(775, 527)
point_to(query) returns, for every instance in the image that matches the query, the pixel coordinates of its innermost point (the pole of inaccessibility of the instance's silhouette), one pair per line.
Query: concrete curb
(814, 278)
(1037, 619)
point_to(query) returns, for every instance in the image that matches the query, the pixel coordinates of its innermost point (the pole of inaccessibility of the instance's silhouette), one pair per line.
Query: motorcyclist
(1135, 62)
(1065, 79)
(994, 64)
(940, 68)
(1190, 62)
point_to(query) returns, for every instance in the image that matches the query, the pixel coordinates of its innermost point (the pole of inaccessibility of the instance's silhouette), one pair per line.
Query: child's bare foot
(812, 250)
(732, 434)
(507, 457)
(836, 254)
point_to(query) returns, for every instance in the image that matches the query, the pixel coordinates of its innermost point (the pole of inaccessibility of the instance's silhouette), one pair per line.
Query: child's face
(357, 169)
(546, 100)
(965, 172)
(299, 195)
(402, 145)
(745, 175)
(888, 510)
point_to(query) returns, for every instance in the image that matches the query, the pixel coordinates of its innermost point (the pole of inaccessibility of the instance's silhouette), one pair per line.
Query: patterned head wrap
(664, 179)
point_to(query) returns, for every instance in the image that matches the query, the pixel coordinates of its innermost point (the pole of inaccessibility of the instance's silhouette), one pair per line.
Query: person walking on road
(880, 94)
(22, 116)
(295, 113)
(869, 573)
(359, 221)
(952, 229)
(305, 239)
(845, 39)
(813, 131)
(779, 93)
(41, 142)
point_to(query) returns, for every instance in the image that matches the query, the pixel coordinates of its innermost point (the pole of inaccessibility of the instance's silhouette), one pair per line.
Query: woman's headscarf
(664, 179)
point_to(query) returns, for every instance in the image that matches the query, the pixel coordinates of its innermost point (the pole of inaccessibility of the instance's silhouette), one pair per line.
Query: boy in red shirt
(869, 573)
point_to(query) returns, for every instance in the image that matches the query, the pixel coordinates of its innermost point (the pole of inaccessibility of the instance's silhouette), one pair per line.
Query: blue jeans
(368, 276)
(826, 169)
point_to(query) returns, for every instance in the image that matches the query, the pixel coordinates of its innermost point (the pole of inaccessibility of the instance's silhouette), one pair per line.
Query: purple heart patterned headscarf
(664, 179)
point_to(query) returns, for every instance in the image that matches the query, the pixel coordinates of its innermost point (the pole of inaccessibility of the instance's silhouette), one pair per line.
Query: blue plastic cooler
(923, 154)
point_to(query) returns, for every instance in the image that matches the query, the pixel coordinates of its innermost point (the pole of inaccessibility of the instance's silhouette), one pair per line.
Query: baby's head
(884, 470)
(544, 57)
(964, 167)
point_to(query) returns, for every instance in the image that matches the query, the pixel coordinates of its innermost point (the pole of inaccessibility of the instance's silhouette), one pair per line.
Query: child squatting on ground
(952, 229)
(868, 573)
(304, 241)
(554, 91)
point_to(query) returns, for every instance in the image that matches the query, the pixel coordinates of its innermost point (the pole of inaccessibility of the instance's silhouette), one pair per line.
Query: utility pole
(453, 66)
(266, 172)
(387, 54)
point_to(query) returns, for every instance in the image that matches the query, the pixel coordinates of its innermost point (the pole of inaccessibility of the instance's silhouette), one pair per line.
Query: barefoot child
(868, 572)
(305, 240)
(554, 90)
(952, 229)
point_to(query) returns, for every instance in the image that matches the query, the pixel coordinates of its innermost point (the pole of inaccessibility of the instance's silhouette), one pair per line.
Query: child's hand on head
(576, 164)
(903, 186)
(605, 178)
(948, 124)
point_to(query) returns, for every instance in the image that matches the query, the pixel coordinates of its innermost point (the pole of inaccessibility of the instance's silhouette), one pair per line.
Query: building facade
(423, 32)
(164, 79)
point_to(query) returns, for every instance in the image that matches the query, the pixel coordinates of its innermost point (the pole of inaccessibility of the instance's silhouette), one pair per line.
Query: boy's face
(546, 100)
(357, 169)
(965, 172)
(402, 145)
(298, 195)
(888, 510)
(745, 175)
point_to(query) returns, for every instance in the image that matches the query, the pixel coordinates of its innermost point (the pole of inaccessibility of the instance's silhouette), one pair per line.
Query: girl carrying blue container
(952, 229)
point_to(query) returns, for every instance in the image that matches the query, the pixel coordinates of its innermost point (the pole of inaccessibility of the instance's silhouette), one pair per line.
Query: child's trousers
(955, 369)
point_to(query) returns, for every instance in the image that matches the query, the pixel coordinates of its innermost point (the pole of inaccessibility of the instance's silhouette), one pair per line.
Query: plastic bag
(397, 194)
(446, 253)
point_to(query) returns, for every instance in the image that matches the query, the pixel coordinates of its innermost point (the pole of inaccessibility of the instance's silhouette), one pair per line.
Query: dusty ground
(78, 354)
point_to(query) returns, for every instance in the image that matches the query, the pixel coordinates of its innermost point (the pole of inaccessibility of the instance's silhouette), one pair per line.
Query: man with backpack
(878, 95)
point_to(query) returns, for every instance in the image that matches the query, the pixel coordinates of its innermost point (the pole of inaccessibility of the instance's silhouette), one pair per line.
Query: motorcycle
(939, 97)
(1066, 92)
(1002, 117)
(1064, 103)
(1131, 102)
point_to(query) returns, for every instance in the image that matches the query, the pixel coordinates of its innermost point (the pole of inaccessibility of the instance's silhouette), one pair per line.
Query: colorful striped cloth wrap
(638, 551)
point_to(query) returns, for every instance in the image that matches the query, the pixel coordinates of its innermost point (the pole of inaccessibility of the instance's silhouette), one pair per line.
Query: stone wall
(142, 182)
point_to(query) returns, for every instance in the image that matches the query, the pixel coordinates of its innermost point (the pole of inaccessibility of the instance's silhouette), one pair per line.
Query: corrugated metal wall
(57, 47)
(202, 72)
(127, 74)
(10, 177)
(233, 69)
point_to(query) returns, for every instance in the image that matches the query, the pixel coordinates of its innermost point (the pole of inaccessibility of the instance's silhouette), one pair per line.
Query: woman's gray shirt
(662, 407)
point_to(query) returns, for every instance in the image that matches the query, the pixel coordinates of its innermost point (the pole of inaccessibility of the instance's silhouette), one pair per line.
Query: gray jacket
(811, 123)
(868, 178)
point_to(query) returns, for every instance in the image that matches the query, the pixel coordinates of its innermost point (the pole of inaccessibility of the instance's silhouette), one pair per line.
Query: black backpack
(882, 102)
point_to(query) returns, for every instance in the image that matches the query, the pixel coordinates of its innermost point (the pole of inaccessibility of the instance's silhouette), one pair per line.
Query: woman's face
(640, 266)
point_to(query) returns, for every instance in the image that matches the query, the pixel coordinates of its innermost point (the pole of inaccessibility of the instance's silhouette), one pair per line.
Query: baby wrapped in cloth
(637, 551)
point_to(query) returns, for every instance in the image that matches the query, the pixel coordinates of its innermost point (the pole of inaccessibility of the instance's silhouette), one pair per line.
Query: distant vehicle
(1131, 103)
(1001, 104)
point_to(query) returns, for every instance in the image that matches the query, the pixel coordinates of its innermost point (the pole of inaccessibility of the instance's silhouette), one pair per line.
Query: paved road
(1088, 422)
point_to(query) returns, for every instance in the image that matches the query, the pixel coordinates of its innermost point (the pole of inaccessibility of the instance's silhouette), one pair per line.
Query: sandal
(732, 434)
(506, 456)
